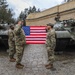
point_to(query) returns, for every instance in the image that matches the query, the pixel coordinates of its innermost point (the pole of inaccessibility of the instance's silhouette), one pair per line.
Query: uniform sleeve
(53, 40)
(10, 33)
(48, 39)
(24, 36)
(17, 29)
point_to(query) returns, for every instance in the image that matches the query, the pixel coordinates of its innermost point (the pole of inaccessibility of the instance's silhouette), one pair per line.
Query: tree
(33, 9)
(9, 15)
(27, 11)
(38, 10)
(3, 9)
(23, 15)
(68, 0)
(5, 13)
(30, 10)
(3, 4)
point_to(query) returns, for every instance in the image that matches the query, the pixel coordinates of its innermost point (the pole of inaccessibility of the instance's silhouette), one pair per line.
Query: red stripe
(31, 36)
(38, 26)
(42, 28)
(35, 42)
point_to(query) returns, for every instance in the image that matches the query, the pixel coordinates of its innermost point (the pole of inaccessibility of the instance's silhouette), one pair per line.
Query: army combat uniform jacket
(51, 39)
(19, 35)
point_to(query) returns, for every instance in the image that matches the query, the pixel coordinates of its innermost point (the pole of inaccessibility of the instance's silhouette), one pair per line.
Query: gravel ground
(34, 59)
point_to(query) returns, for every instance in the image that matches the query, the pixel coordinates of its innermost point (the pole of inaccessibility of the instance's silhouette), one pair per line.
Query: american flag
(35, 34)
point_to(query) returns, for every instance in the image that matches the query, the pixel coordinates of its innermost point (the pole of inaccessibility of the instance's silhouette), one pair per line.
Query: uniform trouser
(51, 56)
(12, 50)
(19, 53)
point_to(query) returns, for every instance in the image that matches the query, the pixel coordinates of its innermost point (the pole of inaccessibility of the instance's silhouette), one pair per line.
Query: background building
(66, 10)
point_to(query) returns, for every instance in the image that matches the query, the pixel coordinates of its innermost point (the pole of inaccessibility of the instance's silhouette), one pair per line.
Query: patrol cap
(19, 20)
(50, 24)
(11, 25)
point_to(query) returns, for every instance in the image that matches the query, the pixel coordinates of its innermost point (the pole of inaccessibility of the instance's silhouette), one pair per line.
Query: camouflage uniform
(19, 42)
(50, 44)
(11, 43)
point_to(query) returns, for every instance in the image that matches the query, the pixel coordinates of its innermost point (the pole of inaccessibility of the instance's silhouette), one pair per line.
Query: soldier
(11, 43)
(20, 43)
(50, 45)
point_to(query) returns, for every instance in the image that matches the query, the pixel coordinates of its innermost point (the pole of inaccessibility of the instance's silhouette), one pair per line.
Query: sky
(20, 5)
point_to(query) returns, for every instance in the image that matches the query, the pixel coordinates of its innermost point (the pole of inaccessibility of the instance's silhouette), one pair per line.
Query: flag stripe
(38, 27)
(37, 31)
(35, 36)
(36, 39)
(35, 42)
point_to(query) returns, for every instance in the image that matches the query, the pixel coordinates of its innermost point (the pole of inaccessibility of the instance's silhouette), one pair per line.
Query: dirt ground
(34, 59)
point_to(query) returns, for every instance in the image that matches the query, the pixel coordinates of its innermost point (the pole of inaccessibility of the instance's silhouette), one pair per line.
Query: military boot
(51, 67)
(12, 60)
(19, 66)
(47, 65)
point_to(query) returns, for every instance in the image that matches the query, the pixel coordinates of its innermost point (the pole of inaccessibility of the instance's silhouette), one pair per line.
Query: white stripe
(37, 33)
(36, 39)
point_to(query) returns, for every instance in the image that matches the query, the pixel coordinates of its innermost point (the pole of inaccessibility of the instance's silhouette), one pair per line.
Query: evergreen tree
(33, 9)
(67, 0)
(27, 11)
(21, 15)
(5, 13)
(30, 10)
(38, 10)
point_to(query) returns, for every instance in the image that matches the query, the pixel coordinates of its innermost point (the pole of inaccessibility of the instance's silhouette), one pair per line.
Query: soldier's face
(12, 27)
(48, 27)
(20, 22)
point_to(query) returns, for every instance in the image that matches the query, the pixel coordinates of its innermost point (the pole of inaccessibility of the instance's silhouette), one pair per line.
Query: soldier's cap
(11, 25)
(19, 20)
(50, 24)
